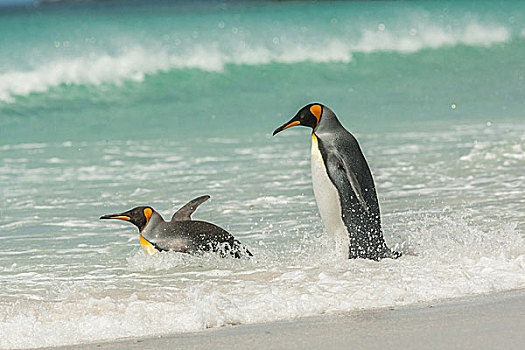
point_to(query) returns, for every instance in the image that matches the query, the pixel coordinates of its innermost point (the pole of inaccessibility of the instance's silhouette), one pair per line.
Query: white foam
(138, 61)
(445, 256)
(431, 37)
(498, 152)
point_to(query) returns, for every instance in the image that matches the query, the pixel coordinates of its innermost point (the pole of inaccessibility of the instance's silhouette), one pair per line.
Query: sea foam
(457, 221)
(445, 257)
(137, 61)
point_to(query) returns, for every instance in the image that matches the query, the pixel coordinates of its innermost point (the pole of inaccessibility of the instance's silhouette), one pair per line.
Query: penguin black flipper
(349, 172)
(184, 213)
(336, 163)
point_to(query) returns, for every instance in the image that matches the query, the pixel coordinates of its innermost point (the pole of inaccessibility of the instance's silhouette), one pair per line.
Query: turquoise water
(104, 107)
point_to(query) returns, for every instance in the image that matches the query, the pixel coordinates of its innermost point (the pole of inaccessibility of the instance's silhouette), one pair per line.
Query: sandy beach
(494, 321)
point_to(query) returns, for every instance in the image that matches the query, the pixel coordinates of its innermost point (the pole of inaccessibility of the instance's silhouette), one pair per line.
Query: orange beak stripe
(126, 218)
(292, 124)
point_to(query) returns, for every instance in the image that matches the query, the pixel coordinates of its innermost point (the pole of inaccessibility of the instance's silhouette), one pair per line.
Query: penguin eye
(339, 166)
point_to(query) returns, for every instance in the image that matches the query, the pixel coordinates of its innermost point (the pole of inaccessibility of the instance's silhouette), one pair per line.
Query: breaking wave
(137, 61)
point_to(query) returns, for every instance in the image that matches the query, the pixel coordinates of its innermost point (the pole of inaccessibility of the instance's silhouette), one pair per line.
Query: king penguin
(181, 234)
(343, 184)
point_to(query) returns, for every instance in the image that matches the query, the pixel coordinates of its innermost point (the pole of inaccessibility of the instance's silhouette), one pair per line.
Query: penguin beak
(287, 125)
(116, 216)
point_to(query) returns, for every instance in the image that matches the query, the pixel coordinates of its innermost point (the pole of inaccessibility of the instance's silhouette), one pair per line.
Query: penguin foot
(374, 254)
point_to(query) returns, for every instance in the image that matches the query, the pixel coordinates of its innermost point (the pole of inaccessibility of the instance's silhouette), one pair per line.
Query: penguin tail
(240, 251)
(389, 254)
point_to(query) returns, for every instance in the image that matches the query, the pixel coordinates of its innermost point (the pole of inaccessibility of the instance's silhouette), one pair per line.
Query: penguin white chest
(327, 198)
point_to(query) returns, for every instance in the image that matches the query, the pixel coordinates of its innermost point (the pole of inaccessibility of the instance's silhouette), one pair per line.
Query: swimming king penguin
(343, 185)
(181, 234)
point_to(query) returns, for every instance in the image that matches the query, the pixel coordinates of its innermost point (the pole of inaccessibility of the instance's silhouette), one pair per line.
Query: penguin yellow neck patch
(147, 247)
(292, 124)
(316, 110)
(316, 155)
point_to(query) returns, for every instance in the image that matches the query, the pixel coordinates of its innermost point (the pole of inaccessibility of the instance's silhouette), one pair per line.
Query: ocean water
(107, 106)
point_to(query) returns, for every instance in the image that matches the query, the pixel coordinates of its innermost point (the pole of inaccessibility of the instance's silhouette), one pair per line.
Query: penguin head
(310, 115)
(138, 216)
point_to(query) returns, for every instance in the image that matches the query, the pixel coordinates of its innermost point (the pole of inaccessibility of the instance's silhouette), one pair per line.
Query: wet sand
(495, 321)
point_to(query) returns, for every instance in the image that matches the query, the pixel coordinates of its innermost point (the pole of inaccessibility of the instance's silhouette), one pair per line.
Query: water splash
(445, 256)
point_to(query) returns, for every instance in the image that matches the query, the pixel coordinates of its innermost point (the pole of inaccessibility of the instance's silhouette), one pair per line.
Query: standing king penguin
(343, 184)
(181, 234)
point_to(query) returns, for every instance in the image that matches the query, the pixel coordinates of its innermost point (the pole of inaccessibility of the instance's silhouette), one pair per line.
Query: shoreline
(487, 321)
